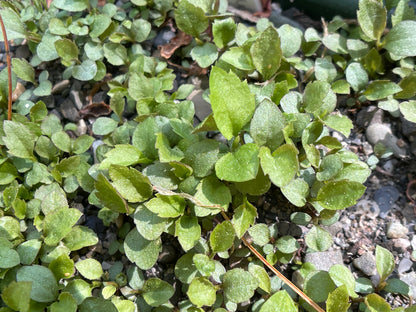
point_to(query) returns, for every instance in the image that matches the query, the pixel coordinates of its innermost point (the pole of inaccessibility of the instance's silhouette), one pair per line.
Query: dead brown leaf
(176, 42)
(95, 110)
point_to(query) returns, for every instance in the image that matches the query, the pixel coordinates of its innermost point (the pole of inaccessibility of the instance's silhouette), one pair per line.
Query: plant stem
(249, 246)
(9, 69)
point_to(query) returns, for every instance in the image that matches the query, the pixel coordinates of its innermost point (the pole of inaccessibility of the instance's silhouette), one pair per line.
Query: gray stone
(381, 133)
(367, 148)
(410, 279)
(413, 242)
(23, 51)
(401, 244)
(163, 37)
(324, 260)
(99, 97)
(81, 127)
(365, 116)
(60, 87)
(76, 99)
(69, 111)
(396, 230)
(49, 101)
(408, 127)
(389, 165)
(366, 264)
(405, 265)
(202, 107)
(385, 197)
(369, 207)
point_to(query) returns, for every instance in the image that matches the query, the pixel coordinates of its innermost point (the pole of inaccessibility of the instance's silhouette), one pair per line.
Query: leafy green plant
(158, 178)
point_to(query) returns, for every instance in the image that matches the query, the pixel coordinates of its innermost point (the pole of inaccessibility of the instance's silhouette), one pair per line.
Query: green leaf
(408, 109)
(46, 48)
(28, 251)
(116, 54)
(57, 27)
(296, 192)
(66, 303)
(44, 285)
(338, 300)
(267, 53)
(325, 70)
(23, 70)
(291, 39)
(62, 266)
(62, 141)
(9, 228)
(239, 166)
(204, 264)
(318, 239)
(287, 244)
(395, 285)
(211, 191)
(384, 262)
(202, 156)
(358, 172)
(167, 206)
(239, 58)
(148, 223)
(44, 88)
(100, 24)
(372, 16)
(403, 12)
(160, 174)
(17, 295)
(205, 54)
(90, 269)
(340, 194)
(123, 155)
(336, 43)
(19, 140)
(156, 292)
(243, 217)
(318, 285)
(140, 87)
(8, 258)
(59, 223)
(260, 273)
(239, 285)
(356, 76)
(380, 89)
(319, 99)
(342, 124)
(201, 292)
(166, 153)
(257, 186)
(97, 304)
(144, 137)
(79, 289)
(190, 18)
(108, 195)
(330, 166)
(267, 125)
(341, 87)
(71, 6)
(66, 49)
(8, 173)
(188, 231)
(185, 269)
(68, 166)
(104, 125)
(342, 276)
(260, 234)
(401, 39)
(141, 29)
(282, 165)
(375, 303)
(222, 237)
(130, 183)
(13, 25)
(223, 31)
(140, 250)
(80, 237)
(280, 301)
(85, 72)
(231, 100)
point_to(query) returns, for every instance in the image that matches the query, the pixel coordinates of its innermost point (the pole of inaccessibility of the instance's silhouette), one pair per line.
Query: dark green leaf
(140, 250)
(318, 285)
(231, 100)
(44, 285)
(222, 237)
(190, 18)
(372, 17)
(108, 195)
(340, 194)
(380, 89)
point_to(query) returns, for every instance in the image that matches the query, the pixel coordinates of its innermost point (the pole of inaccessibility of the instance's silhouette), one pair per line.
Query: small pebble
(60, 86)
(401, 244)
(404, 265)
(76, 99)
(20, 88)
(396, 230)
(385, 197)
(413, 242)
(366, 264)
(69, 111)
(324, 260)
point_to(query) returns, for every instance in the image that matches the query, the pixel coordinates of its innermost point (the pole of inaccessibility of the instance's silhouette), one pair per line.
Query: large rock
(324, 260)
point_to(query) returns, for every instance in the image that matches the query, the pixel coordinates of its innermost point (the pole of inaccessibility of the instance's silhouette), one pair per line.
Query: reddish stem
(9, 69)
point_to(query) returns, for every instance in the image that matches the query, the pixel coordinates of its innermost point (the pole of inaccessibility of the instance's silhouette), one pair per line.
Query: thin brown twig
(9, 69)
(305, 297)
